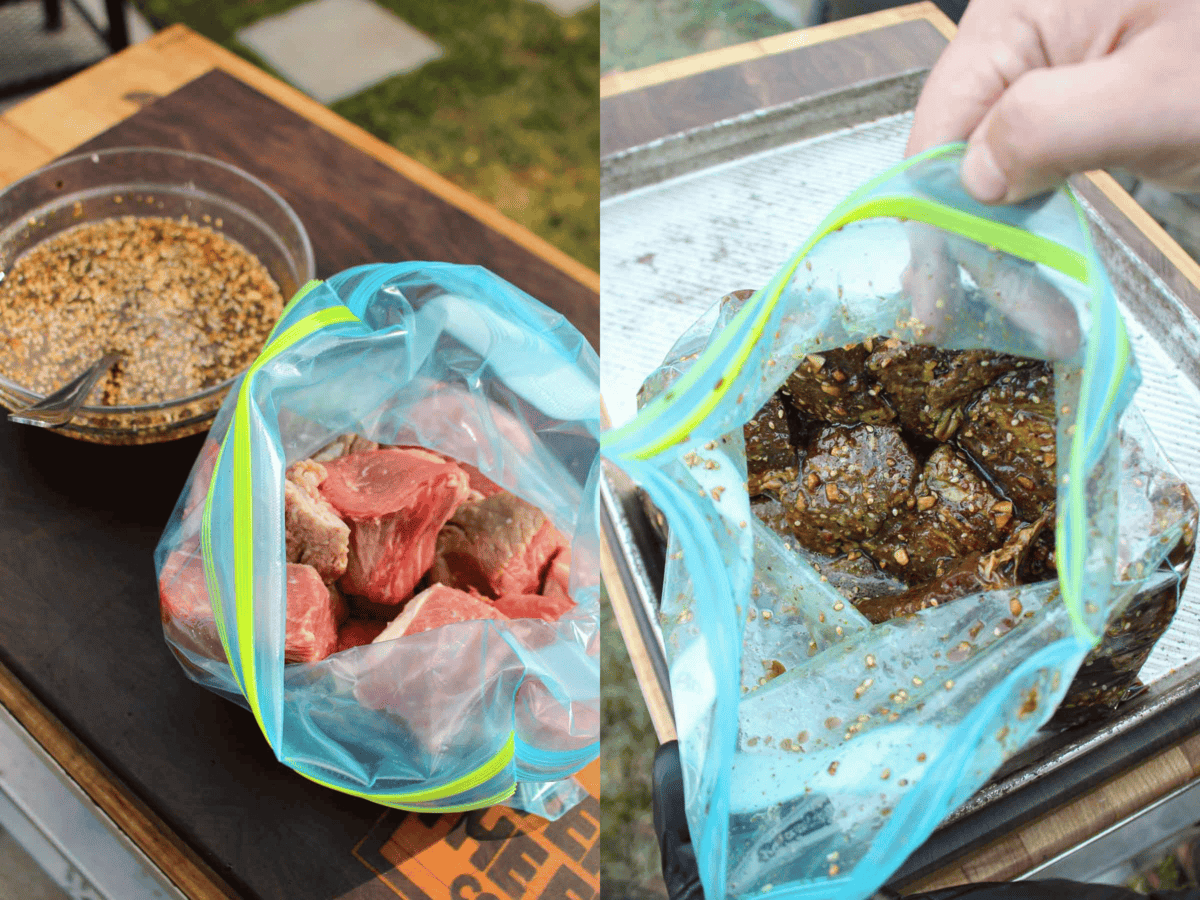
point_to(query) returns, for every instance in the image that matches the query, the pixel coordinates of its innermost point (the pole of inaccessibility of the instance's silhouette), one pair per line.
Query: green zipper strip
(1007, 238)
(486, 772)
(210, 566)
(300, 295)
(243, 491)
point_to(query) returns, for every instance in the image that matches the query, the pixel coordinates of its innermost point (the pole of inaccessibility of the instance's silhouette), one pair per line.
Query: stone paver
(331, 49)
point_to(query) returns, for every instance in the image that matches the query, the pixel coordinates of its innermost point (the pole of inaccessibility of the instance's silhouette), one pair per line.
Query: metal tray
(689, 218)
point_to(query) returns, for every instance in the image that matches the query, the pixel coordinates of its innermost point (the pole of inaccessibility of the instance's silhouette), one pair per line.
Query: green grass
(638, 33)
(510, 112)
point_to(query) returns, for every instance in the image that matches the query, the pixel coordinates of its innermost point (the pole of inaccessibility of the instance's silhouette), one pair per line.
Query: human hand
(1041, 89)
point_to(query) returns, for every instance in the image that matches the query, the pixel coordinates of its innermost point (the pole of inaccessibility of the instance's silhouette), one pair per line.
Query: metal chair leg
(52, 9)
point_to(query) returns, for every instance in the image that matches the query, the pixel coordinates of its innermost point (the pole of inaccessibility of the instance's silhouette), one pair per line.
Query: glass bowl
(135, 181)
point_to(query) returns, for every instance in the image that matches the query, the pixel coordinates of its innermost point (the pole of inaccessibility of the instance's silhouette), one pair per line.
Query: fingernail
(981, 176)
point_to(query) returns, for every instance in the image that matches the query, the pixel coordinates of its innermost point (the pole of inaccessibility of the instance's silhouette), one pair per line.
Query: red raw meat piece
(362, 608)
(199, 490)
(533, 606)
(395, 502)
(315, 534)
(482, 487)
(556, 582)
(497, 546)
(343, 445)
(357, 632)
(184, 605)
(313, 610)
(434, 607)
(312, 616)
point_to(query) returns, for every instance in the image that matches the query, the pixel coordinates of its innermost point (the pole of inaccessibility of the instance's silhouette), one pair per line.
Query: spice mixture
(187, 306)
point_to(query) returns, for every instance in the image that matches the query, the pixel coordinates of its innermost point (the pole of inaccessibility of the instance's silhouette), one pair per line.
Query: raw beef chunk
(313, 610)
(498, 546)
(533, 606)
(344, 445)
(556, 583)
(395, 501)
(434, 607)
(316, 536)
(185, 607)
(356, 632)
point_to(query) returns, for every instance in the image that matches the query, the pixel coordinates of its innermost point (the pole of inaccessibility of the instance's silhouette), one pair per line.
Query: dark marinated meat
(928, 387)
(956, 513)
(835, 386)
(856, 577)
(1010, 434)
(852, 481)
(973, 573)
(770, 444)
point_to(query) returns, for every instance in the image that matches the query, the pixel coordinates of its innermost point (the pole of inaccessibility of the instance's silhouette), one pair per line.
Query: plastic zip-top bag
(388, 548)
(903, 506)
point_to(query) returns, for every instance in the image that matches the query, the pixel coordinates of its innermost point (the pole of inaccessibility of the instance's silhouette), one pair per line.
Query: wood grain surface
(672, 70)
(637, 117)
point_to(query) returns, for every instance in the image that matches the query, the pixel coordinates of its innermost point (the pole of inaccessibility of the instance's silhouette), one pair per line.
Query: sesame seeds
(187, 306)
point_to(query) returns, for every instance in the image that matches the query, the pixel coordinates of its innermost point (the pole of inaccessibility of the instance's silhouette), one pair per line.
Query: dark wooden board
(355, 208)
(79, 621)
(640, 116)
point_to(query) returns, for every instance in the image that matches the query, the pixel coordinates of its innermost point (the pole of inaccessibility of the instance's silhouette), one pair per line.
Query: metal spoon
(60, 407)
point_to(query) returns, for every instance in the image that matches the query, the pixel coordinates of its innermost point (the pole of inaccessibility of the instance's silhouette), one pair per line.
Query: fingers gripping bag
(387, 549)
(906, 495)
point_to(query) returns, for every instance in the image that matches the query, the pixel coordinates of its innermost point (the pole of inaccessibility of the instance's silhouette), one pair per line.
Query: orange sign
(490, 854)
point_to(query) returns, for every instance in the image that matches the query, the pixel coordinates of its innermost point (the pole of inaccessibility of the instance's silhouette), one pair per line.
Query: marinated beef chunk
(315, 534)
(497, 546)
(929, 387)
(856, 577)
(835, 386)
(852, 482)
(434, 607)
(395, 502)
(971, 574)
(956, 513)
(770, 443)
(1010, 434)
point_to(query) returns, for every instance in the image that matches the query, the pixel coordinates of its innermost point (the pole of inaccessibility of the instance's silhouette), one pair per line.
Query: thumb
(1053, 122)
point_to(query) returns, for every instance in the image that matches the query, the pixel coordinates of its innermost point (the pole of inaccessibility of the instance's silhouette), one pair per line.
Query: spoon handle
(60, 407)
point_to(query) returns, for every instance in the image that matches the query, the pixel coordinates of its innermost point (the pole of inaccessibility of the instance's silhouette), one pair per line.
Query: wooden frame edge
(1147, 224)
(140, 825)
(623, 82)
(661, 716)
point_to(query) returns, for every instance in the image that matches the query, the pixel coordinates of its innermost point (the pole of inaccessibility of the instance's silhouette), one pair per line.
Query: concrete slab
(331, 49)
(567, 7)
(135, 23)
(27, 50)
